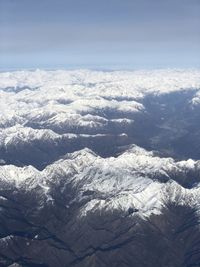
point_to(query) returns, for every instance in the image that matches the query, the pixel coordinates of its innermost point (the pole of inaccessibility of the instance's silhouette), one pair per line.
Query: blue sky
(104, 34)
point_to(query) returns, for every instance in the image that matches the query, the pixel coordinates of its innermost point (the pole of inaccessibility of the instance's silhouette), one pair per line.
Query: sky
(99, 34)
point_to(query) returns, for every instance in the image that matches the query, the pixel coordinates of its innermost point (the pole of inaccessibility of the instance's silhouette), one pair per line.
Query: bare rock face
(99, 169)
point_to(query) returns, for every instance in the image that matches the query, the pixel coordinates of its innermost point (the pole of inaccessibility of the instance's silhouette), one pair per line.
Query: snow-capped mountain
(100, 168)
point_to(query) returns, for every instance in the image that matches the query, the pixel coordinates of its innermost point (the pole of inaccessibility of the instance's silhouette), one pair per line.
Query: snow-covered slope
(51, 110)
(136, 179)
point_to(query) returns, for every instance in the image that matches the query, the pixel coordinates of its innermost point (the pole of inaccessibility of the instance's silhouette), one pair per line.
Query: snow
(66, 97)
(120, 183)
(58, 102)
